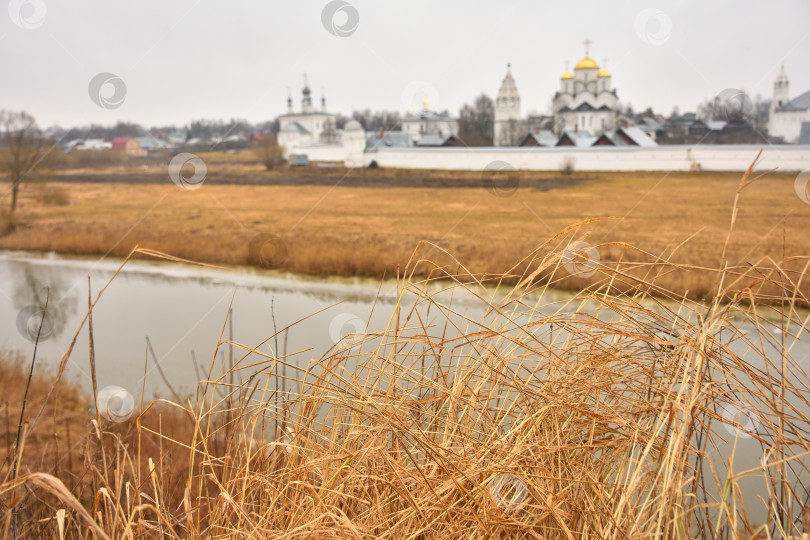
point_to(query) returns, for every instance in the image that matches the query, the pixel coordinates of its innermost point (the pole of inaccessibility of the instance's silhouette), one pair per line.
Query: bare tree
(23, 150)
(476, 122)
(267, 150)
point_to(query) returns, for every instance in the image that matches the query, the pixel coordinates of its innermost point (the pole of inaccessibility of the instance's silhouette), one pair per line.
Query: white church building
(787, 115)
(309, 126)
(586, 100)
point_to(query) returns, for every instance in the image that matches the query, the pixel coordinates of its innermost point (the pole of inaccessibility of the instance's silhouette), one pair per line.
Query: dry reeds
(480, 411)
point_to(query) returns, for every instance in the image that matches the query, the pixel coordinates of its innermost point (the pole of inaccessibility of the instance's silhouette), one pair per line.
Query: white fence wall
(321, 152)
(661, 158)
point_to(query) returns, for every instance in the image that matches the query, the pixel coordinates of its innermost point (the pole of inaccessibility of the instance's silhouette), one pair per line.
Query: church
(787, 115)
(309, 126)
(585, 102)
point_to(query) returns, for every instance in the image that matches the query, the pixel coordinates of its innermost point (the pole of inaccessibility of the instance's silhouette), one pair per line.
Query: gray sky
(188, 59)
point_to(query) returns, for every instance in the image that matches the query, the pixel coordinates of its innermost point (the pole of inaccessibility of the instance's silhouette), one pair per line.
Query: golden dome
(586, 63)
(567, 75)
(604, 73)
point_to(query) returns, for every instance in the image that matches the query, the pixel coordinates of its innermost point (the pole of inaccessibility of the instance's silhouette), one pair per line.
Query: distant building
(787, 115)
(129, 145)
(538, 137)
(309, 126)
(576, 138)
(586, 99)
(387, 139)
(427, 122)
(626, 136)
(508, 127)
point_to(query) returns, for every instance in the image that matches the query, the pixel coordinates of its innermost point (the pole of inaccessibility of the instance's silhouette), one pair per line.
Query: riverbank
(341, 223)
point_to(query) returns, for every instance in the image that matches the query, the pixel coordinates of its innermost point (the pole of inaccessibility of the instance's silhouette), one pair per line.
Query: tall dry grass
(481, 410)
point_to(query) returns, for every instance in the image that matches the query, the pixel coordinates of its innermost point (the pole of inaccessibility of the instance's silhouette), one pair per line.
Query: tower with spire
(507, 112)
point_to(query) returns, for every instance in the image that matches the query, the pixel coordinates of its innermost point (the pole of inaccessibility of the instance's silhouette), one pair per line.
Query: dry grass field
(346, 224)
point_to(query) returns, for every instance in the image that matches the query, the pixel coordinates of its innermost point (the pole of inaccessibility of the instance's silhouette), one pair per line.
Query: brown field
(331, 221)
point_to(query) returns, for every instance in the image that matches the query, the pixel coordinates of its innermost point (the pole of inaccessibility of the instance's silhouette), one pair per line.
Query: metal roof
(390, 139)
(638, 136)
(799, 103)
(804, 137)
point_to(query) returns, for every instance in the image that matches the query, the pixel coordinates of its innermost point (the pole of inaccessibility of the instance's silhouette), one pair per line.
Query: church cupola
(289, 102)
(604, 78)
(306, 97)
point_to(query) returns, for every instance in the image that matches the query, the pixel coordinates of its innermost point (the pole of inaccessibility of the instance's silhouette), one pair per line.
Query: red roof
(120, 143)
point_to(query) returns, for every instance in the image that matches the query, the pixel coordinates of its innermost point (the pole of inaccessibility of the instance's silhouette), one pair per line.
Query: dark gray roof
(804, 137)
(799, 103)
(585, 106)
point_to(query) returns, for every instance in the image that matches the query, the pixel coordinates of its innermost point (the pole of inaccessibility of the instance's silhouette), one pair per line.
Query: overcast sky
(188, 59)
